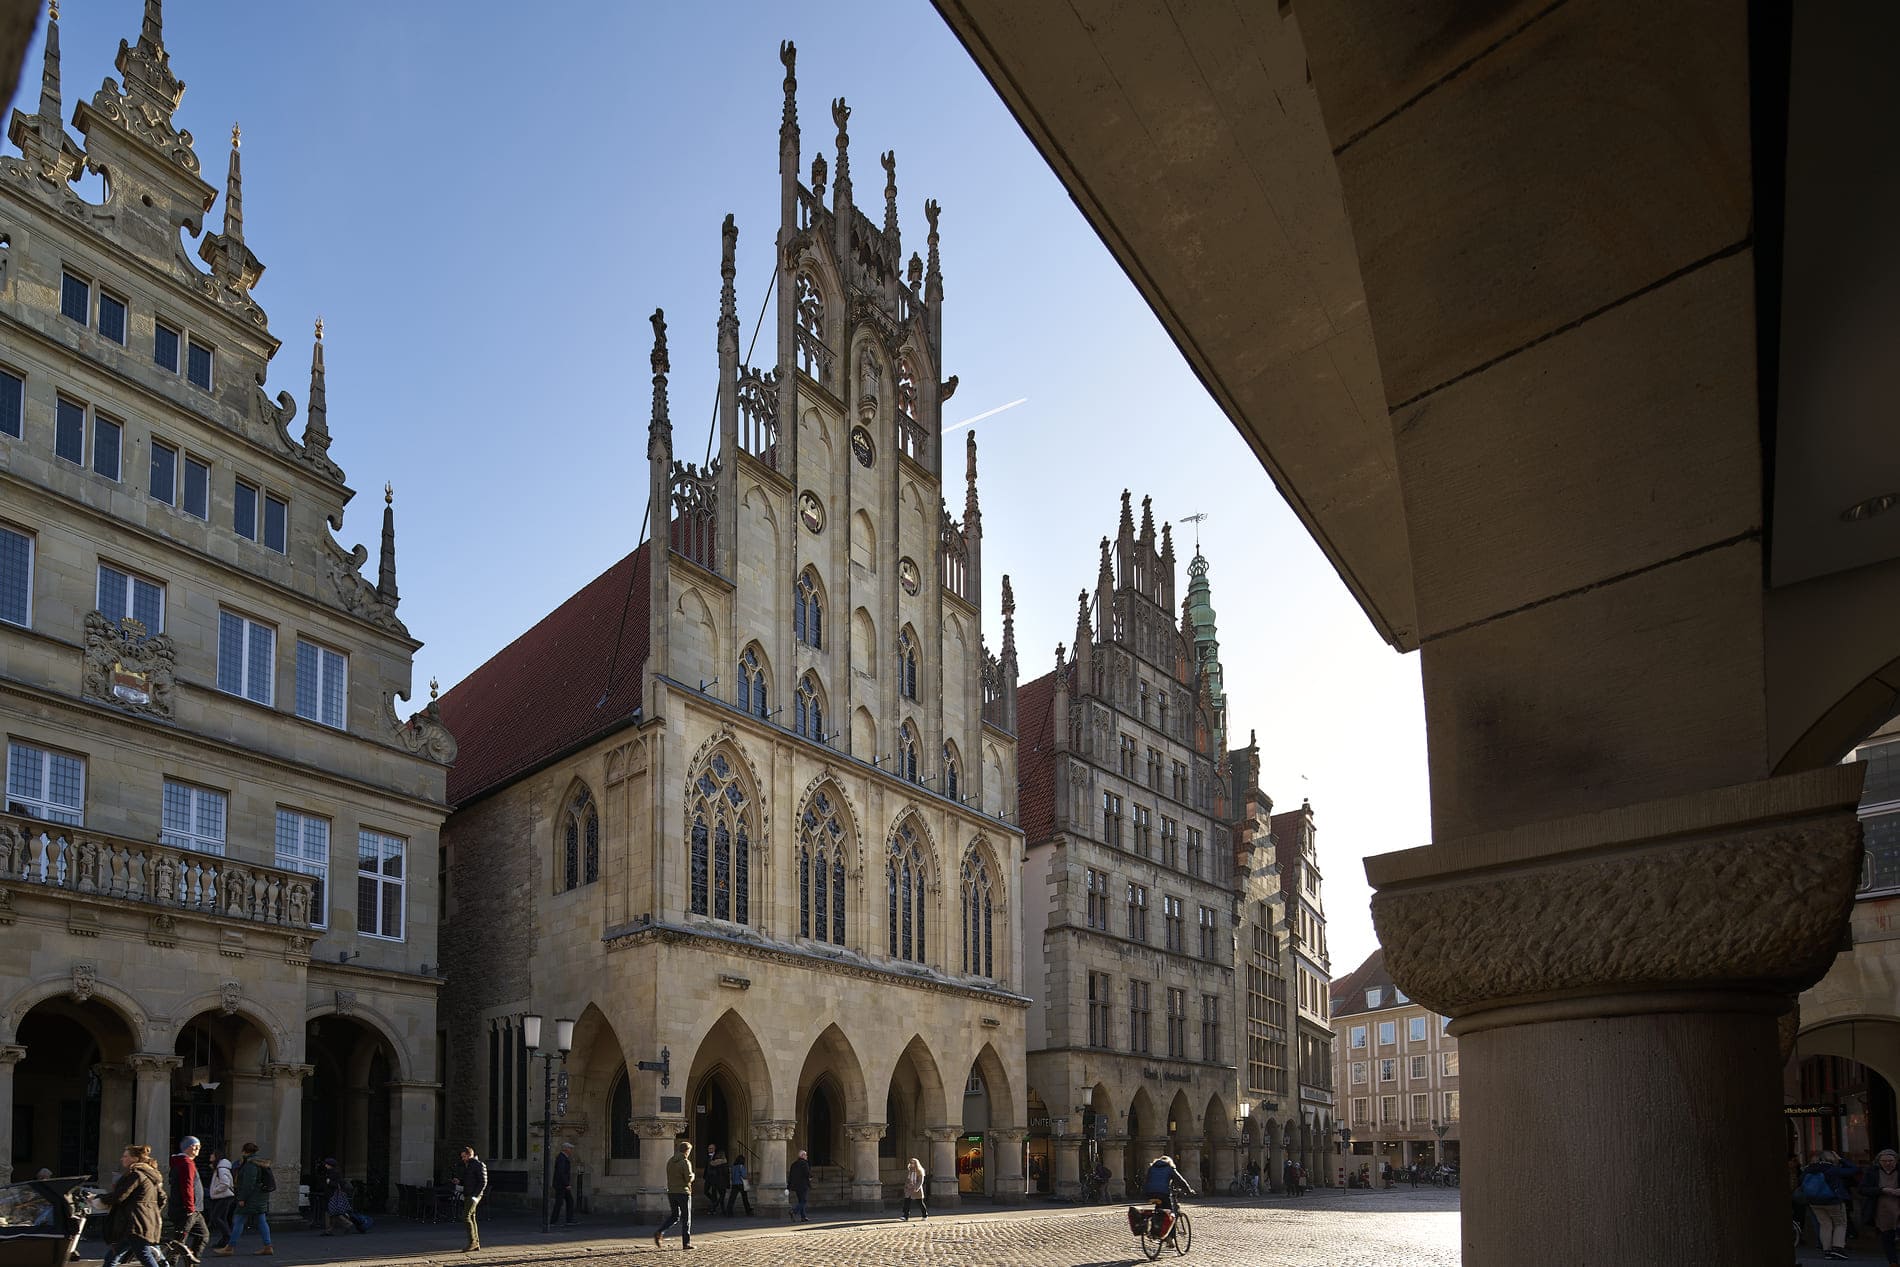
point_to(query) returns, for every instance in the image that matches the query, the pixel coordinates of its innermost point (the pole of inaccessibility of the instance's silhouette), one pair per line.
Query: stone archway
(75, 1091)
(1147, 1135)
(350, 1104)
(729, 1091)
(918, 1123)
(1217, 1149)
(833, 1122)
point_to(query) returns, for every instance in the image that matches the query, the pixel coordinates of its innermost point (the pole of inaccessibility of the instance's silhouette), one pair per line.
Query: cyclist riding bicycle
(1160, 1186)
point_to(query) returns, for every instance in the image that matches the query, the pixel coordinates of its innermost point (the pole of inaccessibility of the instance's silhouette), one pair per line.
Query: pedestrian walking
(679, 1195)
(187, 1204)
(914, 1190)
(798, 1184)
(1885, 1182)
(718, 1177)
(253, 1182)
(137, 1203)
(563, 1184)
(741, 1189)
(474, 1181)
(221, 1200)
(1825, 1182)
(339, 1214)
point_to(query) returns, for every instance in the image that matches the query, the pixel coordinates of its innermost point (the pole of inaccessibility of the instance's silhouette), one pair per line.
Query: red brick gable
(542, 693)
(1036, 758)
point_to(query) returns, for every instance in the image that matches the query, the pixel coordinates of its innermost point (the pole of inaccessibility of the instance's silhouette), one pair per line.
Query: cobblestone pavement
(1324, 1229)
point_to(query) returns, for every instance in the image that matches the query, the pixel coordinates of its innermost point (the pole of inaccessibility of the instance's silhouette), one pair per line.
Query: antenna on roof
(1195, 519)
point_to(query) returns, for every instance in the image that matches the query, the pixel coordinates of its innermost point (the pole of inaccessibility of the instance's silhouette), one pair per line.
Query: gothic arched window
(907, 664)
(905, 879)
(808, 709)
(950, 771)
(809, 303)
(720, 826)
(821, 845)
(808, 611)
(580, 842)
(906, 390)
(752, 684)
(977, 916)
(907, 754)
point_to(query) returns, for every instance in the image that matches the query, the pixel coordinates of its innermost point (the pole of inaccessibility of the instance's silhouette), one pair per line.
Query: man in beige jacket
(679, 1195)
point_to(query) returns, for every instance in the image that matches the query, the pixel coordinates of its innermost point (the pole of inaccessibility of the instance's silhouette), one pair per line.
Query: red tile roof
(1349, 993)
(1036, 758)
(542, 693)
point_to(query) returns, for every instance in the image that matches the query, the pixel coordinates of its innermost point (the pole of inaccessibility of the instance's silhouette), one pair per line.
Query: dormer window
(1373, 996)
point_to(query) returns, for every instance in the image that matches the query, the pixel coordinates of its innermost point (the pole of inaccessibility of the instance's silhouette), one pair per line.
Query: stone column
(774, 1143)
(284, 1148)
(115, 1115)
(1225, 1150)
(867, 1189)
(1275, 1163)
(1003, 1155)
(412, 1127)
(1638, 958)
(1065, 1159)
(11, 1054)
(152, 1071)
(656, 1149)
(1187, 1160)
(941, 1170)
(1115, 1153)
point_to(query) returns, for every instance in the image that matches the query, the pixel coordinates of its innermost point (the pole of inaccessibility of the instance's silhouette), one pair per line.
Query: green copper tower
(1199, 615)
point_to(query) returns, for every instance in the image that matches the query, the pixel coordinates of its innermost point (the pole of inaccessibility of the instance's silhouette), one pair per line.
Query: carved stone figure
(345, 1002)
(165, 879)
(299, 905)
(126, 668)
(228, 995)
(356, 595)
(423, 734)
(85, 979)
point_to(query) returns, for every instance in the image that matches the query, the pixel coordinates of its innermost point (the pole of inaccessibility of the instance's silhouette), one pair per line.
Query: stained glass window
(580, 842)
(907, 664)
(949, 772)
(808, 710)
(977, 957)
(721, 843)
(905, 882)
(808, 613)
(907, 753)
(752, 684)
(821, 846)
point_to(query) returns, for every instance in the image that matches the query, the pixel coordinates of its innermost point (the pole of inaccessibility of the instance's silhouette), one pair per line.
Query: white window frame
(1448, 1064)
(1388, 1033)
(1357, 1037)
(297, 862)
(1451, 1106)
(364, 837)
(1417, 1067)
(195, 839)
(1357, 1069)
(321, 651)
(251, 626)
(132, 581)
(40, 806)
(1415, 1029)
(32, 551)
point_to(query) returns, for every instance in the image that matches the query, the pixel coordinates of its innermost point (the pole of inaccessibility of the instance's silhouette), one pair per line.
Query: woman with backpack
(1825, 1182)
(253, 1182)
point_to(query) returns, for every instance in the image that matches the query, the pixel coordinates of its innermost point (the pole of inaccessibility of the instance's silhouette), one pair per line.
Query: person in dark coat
(137, 1203)
(1825, 1182)
(798, 1183)
(474, 1180)
(563, 1184)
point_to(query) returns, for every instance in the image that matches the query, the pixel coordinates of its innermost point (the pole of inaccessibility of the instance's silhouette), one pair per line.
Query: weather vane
(1195, 519)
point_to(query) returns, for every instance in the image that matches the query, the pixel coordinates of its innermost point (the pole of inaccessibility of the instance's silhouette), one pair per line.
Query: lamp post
(564, 1041)
(1345, 1142)
(1438, 1150)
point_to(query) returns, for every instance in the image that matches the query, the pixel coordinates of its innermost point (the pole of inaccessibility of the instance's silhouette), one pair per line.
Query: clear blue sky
(484, 210)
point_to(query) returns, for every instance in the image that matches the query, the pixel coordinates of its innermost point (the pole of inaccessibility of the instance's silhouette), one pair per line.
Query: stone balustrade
(77, 860)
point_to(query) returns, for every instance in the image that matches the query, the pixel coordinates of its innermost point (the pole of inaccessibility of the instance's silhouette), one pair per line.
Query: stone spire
(660, 429)
(1166, 598)
(728, 297)
(225, 252)
(316, 430)
(788, 116)
(842, 208)
(1009, 623)
(1199, 614)
(891, 240)
(1084, 643)
(146, 68)
(234, 190)
(933, 265)
(1147, 537)
(972, 514)
(50, 153)
(386, 569)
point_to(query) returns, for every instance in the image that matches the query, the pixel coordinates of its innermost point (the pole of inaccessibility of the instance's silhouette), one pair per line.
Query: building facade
(1270, 1133)
(1309, 979)
(214, 918)
(1129, 886)
(742, 807)
(1397, 1073)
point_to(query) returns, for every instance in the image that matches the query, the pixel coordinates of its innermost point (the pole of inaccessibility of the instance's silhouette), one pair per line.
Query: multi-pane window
(1154, 766)
(1128, 756)
(580, 842)
(165, 340)
(1210, 1027)
(259, 516)
(193, 818)
(978, 916)
(1388, 1108)
(720, 828)
(1416, 1068)
(1177, 1023)
(16, 577)
(1210, 933)
(46, 784)
(752, 684)
(75, 298)
(108, 439)
(1180, 781)
(247, 657)
(303, 846)
(1451, 1106)
(808, 611)
(12, 404)
(821, 844)
(1415, 1028)
(907, 664)
(949, 772)
(1097, 896)
(163, 482)
(1357, 1069)
(1388, 1033)
(122, 594)
(1448, 1064)
(1101, 1019)
(1170, 841)
(907, 764)
(1111, 818)
(198, 357)
(1138, 912)
(1420, 1109)
(244, 499)
(1388, 1070)
(1140, 1010)
(1360, 1109)
(379, 884)
(69, 431)
(1144, 830)
(1171, 917)
(808, 710)
(322, 683)
(905, 879)
(112, 317)
(1196, 853)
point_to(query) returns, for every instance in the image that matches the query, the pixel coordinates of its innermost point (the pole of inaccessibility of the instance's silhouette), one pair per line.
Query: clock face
(861, 446)
(811, 512)
(907, 575)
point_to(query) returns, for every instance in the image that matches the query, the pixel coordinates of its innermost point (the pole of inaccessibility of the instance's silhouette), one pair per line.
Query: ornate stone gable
(424, 734)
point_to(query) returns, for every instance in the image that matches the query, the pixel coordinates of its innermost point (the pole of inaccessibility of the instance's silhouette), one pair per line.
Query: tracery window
(907, 664)
(808, 709)
(821, 846)
(580, 842)
(906, 389)
(907, 754)
(720, 825)
(810, 304)
(978, 913)
(950, 772)
(808, 611)
(904, 881)
(752, 684)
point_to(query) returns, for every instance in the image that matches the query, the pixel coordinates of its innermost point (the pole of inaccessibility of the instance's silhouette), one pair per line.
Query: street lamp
(564, 1040)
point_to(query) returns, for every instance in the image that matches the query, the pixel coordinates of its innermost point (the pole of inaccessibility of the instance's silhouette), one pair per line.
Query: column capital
(150, 1064)
(11, 1053)
(776, 1129)
(1543, 920)
(284, 1069)
(1008, 1135)
(862, 1131)
(942, 1134)
(657, 1127)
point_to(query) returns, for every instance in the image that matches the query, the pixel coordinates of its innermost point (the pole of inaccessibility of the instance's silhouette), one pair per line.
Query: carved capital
(774, 1130)
(657, 1127)
(942, 1134)
(1008, 1135)
(11, 1053)
(285, 1071)
(1737, 891)
(151, 1065)
(864, 1132)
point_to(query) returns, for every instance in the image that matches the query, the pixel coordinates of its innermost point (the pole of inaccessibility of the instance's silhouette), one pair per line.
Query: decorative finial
(52, 11)
(389, 493)
(316, 431)
(661, 366)
(889, 159)
(386, 591)
(841, 115)
(237, 135)
(435, 688)
(933, 269)
(819, 170)
(320, 331)
(788, 54)
(1195, 519)
(728, 299)
(660, 429)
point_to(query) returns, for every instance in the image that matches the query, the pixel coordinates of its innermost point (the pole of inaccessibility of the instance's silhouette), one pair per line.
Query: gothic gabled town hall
(747, 797)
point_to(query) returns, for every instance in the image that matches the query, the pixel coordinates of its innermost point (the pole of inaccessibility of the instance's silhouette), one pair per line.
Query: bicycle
(1180, 1236)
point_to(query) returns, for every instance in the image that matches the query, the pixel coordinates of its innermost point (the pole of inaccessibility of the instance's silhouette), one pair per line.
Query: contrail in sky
(987, 413)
